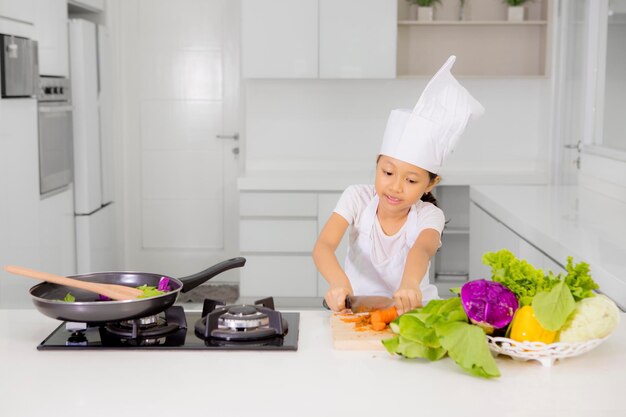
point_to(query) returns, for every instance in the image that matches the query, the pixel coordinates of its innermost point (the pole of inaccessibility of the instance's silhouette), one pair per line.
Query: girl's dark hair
(427, 197)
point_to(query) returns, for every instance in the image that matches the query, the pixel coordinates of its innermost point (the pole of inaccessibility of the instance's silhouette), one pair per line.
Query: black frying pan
(48, 297)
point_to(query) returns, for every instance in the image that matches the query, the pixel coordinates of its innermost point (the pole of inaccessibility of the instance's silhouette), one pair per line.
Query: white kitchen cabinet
(21, 10)
(357, 38)
(326, 204)
(19, 187)
(57, 236)
(283, 275)
(277, 233)
(279, 38)
(488, 234)
(51, 33)
(278, 204)
(88, 5)
(319, 38)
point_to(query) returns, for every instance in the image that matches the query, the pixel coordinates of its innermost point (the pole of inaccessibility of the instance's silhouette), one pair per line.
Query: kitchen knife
(367, 303)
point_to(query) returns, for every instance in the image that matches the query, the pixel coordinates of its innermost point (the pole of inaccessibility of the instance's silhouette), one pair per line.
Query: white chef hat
(425, 135)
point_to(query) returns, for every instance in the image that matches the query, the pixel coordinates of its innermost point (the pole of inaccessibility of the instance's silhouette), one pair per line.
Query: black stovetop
(70, 336)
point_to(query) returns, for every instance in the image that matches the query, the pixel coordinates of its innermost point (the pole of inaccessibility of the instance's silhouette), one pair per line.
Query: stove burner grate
(238, 323)
(149, 327)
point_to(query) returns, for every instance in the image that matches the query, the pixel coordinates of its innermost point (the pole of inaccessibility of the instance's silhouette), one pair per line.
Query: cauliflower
(594, 318)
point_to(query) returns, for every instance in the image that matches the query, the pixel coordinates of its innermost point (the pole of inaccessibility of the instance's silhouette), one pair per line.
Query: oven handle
(54, 109)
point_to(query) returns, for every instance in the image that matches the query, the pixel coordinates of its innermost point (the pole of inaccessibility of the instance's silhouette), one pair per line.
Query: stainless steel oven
(56, 151)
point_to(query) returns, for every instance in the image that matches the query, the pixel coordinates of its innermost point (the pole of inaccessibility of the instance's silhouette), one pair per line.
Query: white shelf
(471, 23)
(456, 231)
(485, 43)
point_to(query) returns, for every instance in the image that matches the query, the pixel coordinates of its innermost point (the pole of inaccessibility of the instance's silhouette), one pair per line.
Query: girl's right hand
(336, 298)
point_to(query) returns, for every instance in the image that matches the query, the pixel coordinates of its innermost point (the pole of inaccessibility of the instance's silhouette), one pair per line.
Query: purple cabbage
(488, 304)
(164, 284)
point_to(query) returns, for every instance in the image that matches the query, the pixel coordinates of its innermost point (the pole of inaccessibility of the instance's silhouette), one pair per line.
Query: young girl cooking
(394, 230)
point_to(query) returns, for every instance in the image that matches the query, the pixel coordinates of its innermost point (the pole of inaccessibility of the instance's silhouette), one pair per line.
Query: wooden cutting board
(347, 337)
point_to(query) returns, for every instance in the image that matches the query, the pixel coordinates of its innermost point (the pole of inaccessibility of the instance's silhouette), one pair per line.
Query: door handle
(578, 146)
(234, 136)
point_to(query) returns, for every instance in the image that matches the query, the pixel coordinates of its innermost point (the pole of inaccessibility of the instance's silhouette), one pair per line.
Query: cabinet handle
(234, 136)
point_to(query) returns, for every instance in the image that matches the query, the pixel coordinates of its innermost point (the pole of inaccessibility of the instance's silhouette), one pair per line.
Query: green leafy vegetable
(518, 275)
(553, 297)
(466, 344)
(552, 308)
(439, 328)
(525, 281)
(579, 280)
(69, 298)
(149, 291)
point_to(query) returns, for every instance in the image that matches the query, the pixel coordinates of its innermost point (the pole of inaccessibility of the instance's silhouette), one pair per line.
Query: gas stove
(219, 326)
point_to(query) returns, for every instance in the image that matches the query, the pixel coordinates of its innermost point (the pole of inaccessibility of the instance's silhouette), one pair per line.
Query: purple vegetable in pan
(488, 304)
(164, 284)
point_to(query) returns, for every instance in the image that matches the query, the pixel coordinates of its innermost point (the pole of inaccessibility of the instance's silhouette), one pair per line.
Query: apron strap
(369, 215)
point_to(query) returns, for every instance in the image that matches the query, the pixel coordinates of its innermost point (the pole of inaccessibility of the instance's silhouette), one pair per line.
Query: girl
(395, 229)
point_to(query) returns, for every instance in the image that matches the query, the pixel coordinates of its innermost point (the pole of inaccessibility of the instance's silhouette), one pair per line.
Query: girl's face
(399, 184)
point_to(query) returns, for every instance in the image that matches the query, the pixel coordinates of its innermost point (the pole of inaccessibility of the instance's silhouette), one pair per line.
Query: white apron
(370, 278)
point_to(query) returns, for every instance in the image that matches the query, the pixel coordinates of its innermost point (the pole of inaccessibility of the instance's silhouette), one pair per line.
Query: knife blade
(367, 303)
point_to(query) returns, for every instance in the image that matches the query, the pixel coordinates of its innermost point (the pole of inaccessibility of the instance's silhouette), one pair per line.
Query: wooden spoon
(113, 291)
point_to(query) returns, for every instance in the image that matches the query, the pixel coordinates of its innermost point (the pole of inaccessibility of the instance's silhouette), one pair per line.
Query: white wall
(316, 124)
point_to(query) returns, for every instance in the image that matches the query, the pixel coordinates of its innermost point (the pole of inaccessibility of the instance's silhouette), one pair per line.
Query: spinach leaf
(552, 308)
(466, 344)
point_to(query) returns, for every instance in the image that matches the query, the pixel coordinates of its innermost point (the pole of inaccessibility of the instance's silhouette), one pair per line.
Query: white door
(179, 73)
(572, 104)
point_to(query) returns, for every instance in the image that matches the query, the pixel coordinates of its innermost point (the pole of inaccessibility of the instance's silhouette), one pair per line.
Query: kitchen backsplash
(338, 124)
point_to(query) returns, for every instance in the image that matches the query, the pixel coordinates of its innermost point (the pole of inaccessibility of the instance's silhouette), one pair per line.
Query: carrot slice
(384, 316)
(378, 326)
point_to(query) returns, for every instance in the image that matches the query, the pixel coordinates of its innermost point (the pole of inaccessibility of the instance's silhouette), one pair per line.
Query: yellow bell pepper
(526, 328)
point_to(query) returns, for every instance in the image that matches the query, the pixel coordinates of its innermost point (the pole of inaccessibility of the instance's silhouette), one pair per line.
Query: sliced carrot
(384, 316)
(378, 326)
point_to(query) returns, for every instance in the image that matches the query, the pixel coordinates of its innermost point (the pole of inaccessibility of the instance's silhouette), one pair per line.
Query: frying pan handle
(192, 281)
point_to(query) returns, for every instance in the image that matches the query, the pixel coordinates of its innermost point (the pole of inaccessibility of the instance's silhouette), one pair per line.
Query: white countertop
(566, 220)
(340, 180)
(314, 381)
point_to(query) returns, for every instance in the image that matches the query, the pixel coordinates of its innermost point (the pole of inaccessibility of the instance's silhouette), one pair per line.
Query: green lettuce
(149, 291)
(578, 280)
(553, 297)
(518, 275)
(466, 344)
(439, 328)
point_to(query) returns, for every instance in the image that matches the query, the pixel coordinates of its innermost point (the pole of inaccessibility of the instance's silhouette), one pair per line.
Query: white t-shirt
(352, 205)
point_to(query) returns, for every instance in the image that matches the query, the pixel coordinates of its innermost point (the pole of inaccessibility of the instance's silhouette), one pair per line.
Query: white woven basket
(544, 353)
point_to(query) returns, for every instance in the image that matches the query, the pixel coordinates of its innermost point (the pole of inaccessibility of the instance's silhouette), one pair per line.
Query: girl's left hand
(407, 299)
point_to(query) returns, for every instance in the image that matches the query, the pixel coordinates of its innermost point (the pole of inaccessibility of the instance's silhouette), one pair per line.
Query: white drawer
(278, 204)
(278, 276)
(267, 235)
